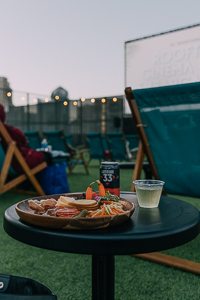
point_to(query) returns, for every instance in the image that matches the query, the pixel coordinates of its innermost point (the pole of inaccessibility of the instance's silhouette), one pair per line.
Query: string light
(46, 100)
(57, 97)
(65, 103)
(35, 100)
(75, 103)
(103, 100)
(92, 100)
(82, 99)
(9, 94)
(114, 99)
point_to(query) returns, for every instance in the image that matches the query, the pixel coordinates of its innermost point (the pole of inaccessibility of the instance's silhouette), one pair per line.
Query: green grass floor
(69, 275)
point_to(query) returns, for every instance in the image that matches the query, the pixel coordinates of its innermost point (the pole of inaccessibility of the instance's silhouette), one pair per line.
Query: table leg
(103, 277)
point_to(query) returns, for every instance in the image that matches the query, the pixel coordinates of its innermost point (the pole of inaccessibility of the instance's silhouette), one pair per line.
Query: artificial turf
(69, 275)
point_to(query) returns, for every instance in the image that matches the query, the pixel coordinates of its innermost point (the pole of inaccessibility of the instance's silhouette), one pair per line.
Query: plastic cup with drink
(148, 192)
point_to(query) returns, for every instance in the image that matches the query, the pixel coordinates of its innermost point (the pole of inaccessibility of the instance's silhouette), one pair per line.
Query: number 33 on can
(109, 176)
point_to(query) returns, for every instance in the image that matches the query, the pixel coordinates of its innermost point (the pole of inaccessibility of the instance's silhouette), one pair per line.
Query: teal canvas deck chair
(69, 140)
(117, 146)
(95, 145)
(168, 122)
(56, 138)
(33, 138)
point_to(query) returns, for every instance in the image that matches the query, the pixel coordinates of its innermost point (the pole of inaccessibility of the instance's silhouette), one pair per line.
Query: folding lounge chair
(34, 139)
(56, 139)
(117, 146)
(95, 145)
(6, 182)
(69, 140)
(168, 123)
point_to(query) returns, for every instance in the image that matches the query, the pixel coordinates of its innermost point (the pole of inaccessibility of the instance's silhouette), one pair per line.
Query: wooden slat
(28, 172)
(6, 164)
(138, 166)
(171, 261)
(14, 182)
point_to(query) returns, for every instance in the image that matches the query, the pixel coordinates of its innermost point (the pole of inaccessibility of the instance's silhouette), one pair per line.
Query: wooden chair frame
(12, 150)
(143, 150)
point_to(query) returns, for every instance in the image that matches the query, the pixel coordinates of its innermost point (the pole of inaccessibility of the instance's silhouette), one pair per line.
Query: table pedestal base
(103, 268)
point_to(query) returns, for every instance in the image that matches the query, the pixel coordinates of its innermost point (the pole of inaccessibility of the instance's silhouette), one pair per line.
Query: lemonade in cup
(148, 192)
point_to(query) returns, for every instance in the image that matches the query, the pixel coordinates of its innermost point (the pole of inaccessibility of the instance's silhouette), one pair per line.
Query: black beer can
(109, 177)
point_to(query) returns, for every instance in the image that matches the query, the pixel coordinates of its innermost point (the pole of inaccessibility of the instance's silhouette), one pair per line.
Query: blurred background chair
(56, 139)
(118, 147)
(95, 145)
(33, 138)
(69, 140)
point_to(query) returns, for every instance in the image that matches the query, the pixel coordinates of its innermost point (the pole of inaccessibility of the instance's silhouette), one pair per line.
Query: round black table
(172, 224)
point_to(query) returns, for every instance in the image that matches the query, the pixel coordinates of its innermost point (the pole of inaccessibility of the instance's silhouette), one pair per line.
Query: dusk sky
(79, 44)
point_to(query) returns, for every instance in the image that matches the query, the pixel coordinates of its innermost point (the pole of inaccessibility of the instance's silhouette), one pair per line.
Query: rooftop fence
(75, 117)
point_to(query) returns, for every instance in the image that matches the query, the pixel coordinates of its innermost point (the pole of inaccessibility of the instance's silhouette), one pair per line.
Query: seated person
(31, 156)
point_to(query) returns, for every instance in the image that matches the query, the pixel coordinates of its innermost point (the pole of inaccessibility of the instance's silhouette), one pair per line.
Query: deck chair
(95, 145)
(56, 139)
(33, 138)
(69, 140)
(168, 124)
(117, 146)
(9, 179)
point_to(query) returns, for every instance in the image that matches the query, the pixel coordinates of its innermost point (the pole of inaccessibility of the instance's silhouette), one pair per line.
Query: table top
(172, 224)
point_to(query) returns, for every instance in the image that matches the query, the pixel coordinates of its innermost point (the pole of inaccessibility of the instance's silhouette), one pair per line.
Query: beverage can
(109, 177)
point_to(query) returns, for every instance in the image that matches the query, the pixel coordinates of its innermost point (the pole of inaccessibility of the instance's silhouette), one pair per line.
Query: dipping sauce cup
(148, 192)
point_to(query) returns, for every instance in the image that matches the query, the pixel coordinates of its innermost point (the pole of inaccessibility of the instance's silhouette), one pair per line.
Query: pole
(28, 112)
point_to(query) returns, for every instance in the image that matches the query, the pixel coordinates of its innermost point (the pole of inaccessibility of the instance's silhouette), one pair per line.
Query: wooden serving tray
(27, 215)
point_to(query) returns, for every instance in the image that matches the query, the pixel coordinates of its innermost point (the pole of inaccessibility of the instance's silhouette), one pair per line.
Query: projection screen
(167, 58)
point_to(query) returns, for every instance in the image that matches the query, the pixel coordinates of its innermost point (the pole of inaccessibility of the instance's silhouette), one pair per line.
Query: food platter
(27, 215)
